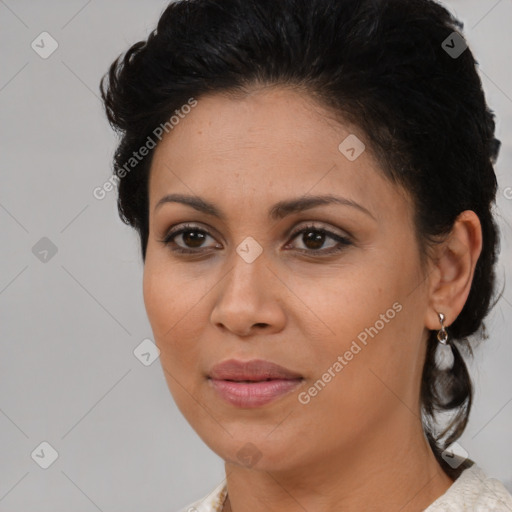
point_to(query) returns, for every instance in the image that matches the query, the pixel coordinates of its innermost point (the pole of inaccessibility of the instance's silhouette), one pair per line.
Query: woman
(312, 183)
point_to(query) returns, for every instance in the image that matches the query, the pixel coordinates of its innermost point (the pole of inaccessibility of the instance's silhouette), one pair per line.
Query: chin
(255, 452)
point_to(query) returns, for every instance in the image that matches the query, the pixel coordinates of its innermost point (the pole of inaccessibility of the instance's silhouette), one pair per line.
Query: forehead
(270, 144)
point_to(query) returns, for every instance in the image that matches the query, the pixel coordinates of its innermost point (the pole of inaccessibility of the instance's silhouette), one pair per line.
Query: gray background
(69, 325)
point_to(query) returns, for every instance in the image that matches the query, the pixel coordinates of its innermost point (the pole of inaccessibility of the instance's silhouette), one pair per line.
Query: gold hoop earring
(444, 354)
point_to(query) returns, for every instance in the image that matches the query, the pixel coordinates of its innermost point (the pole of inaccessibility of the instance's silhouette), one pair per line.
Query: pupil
(193, 238)
(313, 239)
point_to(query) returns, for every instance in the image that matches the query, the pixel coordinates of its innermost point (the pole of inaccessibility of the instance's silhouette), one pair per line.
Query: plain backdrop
(71, 307)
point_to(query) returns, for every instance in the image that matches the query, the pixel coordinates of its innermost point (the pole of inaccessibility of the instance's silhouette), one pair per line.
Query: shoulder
(474, 490)
(212, 502)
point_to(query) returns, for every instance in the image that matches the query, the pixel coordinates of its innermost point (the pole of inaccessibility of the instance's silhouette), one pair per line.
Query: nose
(249, 299)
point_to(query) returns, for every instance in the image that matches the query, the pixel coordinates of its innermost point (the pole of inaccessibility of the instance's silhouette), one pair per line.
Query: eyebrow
(276, 212)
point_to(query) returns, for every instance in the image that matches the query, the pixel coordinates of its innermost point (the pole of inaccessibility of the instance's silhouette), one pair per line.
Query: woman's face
(346, 316)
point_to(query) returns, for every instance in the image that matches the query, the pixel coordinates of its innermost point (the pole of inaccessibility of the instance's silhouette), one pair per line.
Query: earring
(444, 353)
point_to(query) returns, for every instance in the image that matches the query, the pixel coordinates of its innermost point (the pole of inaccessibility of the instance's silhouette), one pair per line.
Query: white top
(472, 491)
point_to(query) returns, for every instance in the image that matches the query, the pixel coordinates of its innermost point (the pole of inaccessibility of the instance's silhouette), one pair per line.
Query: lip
(254, 370)
(252, 383)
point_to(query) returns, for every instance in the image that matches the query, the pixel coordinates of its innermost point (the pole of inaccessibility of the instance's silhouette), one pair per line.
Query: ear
(453, 269)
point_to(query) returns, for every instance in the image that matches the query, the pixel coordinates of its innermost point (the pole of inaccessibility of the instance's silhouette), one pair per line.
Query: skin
(358, 444)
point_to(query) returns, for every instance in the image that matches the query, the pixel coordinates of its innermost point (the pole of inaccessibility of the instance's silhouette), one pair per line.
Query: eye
(314, 238)
(190, 236)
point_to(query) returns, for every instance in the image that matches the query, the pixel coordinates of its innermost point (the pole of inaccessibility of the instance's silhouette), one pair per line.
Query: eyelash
(343, 242)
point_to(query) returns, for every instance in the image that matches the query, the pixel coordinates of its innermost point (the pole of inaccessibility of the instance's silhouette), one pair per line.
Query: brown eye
(187, 239)
(193, 237)
(313, 238)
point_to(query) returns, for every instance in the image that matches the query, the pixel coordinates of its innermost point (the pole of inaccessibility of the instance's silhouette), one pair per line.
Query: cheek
(369, 320)
(173, 307)
(170, 296)
(355, 387)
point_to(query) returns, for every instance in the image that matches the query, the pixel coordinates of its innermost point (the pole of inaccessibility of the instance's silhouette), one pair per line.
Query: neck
(384, 472)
